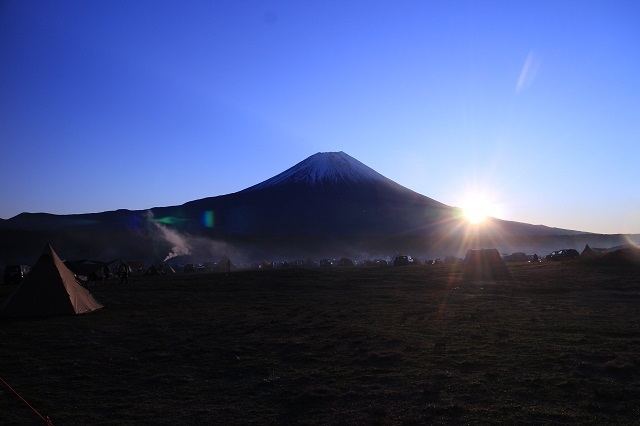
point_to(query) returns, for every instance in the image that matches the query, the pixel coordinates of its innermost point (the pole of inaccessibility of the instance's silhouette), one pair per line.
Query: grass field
(557, 343)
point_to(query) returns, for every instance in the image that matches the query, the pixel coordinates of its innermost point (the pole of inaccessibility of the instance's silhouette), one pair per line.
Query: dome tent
(484, 264)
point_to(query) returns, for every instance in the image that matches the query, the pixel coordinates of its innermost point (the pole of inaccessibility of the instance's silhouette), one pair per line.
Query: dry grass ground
(558, 343)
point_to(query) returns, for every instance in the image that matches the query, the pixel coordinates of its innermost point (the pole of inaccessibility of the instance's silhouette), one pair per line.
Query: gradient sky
(110, 104)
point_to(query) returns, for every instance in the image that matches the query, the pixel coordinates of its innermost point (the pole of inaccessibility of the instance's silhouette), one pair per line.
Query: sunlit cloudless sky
(534, 105)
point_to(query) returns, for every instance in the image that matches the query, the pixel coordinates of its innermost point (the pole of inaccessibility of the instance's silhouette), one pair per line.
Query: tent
(160, 269)
(89, 270)
(88, 267)
(590, 252)
(517, 257)
(345, 261)
(49, 289)
(153, 270)
(167, 269)
(627, 256)
(484, 264)
(452, 260)
(225, 265)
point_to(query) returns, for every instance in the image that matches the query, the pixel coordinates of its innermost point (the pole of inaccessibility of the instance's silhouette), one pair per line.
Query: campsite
(553, 342)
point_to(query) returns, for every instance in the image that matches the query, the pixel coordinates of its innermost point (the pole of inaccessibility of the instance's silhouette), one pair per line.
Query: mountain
(326, 194)
(328, 168)
(328, 205)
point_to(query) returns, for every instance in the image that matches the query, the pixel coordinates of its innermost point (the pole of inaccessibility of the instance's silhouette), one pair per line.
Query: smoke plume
(180, 245)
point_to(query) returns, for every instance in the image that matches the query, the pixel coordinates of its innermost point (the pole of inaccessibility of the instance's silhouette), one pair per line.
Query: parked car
(402, 260)
(13, 274)
(563, 254)
(326, 262)
(189, 267)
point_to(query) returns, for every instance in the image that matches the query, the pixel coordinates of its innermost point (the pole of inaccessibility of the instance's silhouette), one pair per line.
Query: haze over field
(530, 108)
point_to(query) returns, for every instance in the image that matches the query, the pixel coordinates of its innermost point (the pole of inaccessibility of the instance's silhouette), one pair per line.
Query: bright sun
(477, 209)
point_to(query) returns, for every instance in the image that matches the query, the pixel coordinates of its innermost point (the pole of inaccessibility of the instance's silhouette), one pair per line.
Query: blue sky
(137, 104)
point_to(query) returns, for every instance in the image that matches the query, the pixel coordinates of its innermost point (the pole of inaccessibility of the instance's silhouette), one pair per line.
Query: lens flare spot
(208, 218)
(168, 220)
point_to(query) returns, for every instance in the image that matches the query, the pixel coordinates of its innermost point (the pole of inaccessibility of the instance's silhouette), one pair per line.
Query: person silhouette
(123, 271)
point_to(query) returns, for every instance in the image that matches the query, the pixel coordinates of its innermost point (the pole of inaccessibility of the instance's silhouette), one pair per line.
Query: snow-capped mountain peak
(325, 167)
